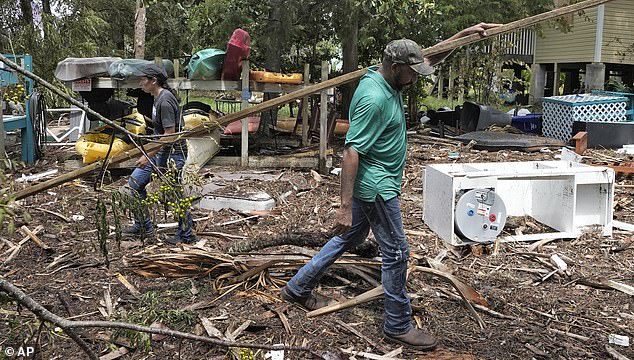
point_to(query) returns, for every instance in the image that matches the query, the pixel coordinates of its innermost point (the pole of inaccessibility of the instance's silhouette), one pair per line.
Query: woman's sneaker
(136, 230)
(173, 240)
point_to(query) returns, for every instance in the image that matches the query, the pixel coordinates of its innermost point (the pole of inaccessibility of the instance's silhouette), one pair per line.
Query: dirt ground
(538, 316)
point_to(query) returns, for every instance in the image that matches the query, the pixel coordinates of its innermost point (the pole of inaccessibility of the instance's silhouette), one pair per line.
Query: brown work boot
(415, 339)
(312, 302)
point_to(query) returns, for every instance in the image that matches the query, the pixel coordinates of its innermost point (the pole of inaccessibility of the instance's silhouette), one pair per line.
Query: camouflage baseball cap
(406, 51)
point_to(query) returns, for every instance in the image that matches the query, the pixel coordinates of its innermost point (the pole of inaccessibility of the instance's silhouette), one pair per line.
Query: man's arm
(142, 161)
(349, 168)
(480, 28)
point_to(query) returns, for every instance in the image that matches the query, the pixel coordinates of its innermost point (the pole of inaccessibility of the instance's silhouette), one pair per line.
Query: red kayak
(238, 49)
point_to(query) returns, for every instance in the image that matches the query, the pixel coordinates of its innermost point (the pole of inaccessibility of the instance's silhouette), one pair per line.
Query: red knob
(492, 217)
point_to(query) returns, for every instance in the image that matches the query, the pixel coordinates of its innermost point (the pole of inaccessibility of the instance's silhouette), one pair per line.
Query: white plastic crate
(560, 112)
(567, 196)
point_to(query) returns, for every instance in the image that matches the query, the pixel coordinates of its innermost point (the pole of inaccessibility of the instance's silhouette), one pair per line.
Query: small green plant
(246, 354)
(10, 211)
(16, 94)
(618, 86)
(116, 219)
(150, 310)
(170, 193)
(102, 230)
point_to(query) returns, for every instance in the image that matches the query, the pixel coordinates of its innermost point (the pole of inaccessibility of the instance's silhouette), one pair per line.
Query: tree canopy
(310, 30)
(285, 33)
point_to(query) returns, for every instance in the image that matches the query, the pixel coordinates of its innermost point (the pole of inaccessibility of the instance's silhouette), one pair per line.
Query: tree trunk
(46, 7)
(273, 60)
(349, 44)
(139, 31)
(46, 17)
(27, 12)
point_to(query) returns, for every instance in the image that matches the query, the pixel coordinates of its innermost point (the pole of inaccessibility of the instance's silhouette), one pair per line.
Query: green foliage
(101, 223)
(15, 93)
(151, 309)
(170, 194)
(246, 354)
(116, 216)
(297, 31)
(10, 211)
(434, 103)
(619, 86)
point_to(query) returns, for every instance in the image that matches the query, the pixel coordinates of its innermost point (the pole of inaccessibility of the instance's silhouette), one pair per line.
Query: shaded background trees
(285, 33)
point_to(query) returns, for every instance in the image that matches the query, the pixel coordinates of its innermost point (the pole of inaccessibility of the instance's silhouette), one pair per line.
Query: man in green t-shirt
(373, 161)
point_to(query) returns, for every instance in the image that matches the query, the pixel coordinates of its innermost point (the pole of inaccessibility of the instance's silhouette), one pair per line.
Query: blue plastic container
(531, 123)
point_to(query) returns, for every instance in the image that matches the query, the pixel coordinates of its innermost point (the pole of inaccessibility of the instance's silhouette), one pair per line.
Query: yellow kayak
(94, 145)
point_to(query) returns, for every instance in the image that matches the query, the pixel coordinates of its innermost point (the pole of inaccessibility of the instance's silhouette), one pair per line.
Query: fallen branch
(54, 213)
(615, 354)
(367, 355)
(16, 249)
(134, 291)
(607, 284)
(359, 334)
(26, 231)
(367, 296)
(291, 238)
(480, 307)
(540, 243)
(68, 326)
(467, 293)
(569, 334)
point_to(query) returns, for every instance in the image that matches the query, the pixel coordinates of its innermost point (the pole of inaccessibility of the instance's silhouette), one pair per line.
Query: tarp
(127, 68)
(206, 65)
(71, 69)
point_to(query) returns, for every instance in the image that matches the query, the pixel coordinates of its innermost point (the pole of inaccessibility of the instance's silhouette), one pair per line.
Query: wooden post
(581, 142)
(244, 154)
(557, 70)
(177, 68)
(323, 120)
(450, 93)
(441, 84)
(305, 102)
(460, 90)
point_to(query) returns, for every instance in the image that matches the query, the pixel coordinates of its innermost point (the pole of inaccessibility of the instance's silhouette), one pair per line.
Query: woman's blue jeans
(384, 218)
(141, 177)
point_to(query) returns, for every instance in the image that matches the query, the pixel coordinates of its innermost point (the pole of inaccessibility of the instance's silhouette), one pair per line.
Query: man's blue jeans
(141, 177)
(384, 218)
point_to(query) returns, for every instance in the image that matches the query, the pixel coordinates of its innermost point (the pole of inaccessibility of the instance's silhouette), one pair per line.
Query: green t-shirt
(378, 133)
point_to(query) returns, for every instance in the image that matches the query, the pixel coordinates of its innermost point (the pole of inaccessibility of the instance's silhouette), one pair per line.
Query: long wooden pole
(284, 99)
(198, 131)
(512, 26)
